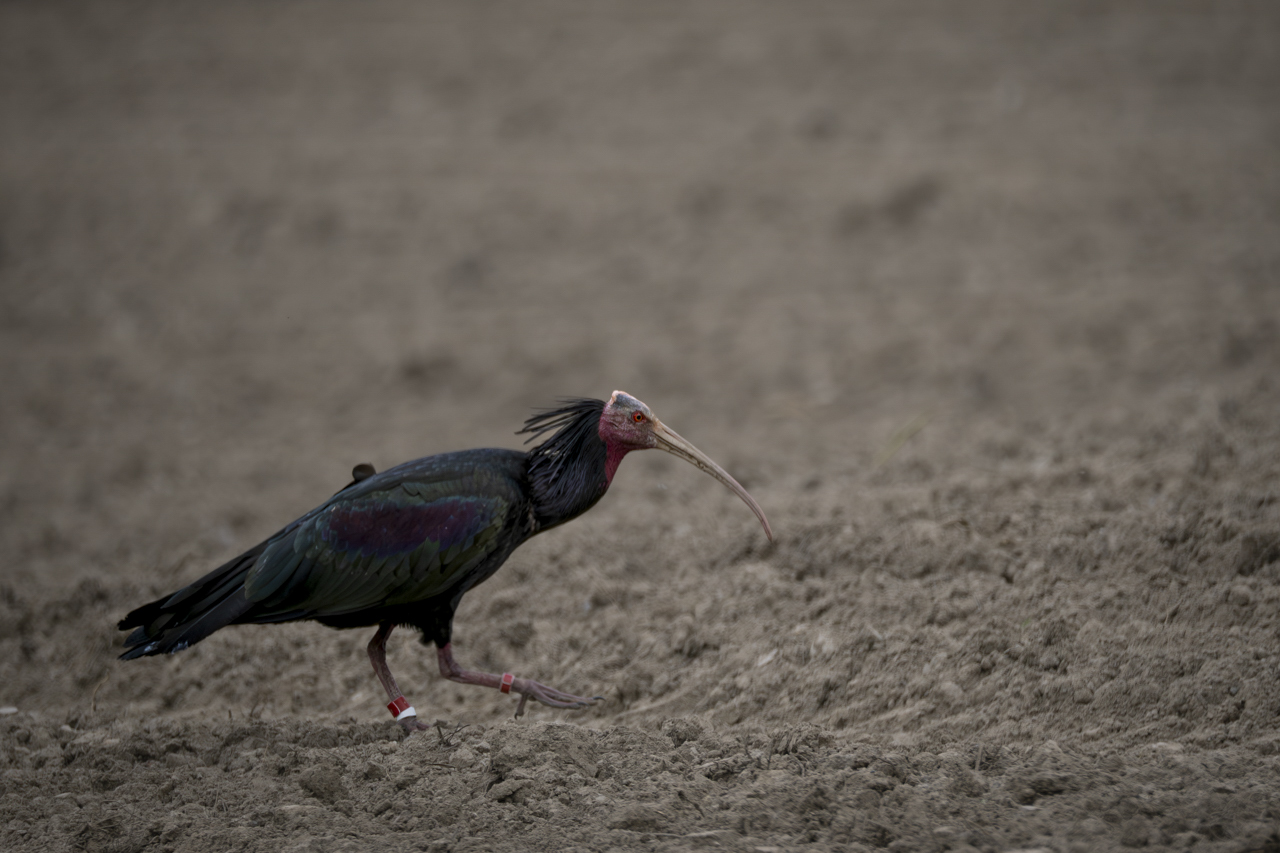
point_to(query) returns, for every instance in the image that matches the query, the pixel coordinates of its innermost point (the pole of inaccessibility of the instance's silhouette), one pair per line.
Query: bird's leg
(400, 708)
(507, 683)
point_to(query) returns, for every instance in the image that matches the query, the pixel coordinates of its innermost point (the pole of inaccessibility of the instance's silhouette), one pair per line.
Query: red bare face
(627, 424)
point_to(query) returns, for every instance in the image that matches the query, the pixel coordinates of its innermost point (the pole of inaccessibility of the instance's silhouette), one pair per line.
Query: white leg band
(407, 712)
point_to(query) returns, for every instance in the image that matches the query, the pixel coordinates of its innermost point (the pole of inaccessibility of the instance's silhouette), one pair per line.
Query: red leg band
(398, 707)
(507, 678)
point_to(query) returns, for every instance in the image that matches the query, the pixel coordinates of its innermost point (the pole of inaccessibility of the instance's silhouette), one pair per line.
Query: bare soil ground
(981, 301)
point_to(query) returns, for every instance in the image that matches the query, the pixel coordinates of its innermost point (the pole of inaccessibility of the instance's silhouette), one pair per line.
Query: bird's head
(627, 424)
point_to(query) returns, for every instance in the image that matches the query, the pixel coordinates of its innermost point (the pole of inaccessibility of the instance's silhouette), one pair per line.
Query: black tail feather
(186, 617)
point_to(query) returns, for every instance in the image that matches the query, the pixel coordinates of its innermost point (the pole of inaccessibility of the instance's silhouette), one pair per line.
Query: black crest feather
(567, 471)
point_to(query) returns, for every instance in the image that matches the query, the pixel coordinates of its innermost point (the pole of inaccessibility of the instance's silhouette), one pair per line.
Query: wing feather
(398, 546)
(274, 568)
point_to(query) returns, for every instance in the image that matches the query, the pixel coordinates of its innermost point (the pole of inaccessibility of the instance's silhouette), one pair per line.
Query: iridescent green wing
(397, 545)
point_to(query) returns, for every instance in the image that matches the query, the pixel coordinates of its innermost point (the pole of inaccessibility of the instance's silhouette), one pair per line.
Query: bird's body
(402, 547)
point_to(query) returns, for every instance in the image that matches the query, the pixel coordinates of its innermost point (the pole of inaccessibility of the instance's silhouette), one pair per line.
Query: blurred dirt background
(981, 301)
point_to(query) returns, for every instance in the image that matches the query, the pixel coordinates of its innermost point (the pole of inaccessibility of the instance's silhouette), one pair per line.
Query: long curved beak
(671, 442)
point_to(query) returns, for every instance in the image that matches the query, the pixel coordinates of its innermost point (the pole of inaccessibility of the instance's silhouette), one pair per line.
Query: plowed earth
(980, 301)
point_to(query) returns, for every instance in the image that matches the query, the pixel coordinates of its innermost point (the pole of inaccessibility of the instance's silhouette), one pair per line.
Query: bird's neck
(613, 454)
(567, 478)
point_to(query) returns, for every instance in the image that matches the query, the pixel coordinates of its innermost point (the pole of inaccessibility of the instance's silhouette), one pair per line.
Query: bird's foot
(548, 696)
(508, 683)
(412, 724)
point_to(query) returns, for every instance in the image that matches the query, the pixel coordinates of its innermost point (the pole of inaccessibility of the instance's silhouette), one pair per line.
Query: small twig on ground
(706, 833)
(93, 700)
(901, 437)
(444, 739)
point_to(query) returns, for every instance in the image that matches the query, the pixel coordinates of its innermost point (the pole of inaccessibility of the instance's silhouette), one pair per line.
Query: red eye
(638, 417)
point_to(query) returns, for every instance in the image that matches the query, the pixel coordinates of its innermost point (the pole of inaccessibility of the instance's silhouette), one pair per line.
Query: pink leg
(507, 683)
(398, 706)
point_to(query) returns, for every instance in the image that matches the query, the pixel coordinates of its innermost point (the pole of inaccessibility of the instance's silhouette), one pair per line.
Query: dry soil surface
(981, 301)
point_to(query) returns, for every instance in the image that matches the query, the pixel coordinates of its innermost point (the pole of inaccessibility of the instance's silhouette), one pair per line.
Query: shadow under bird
(403, 546)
